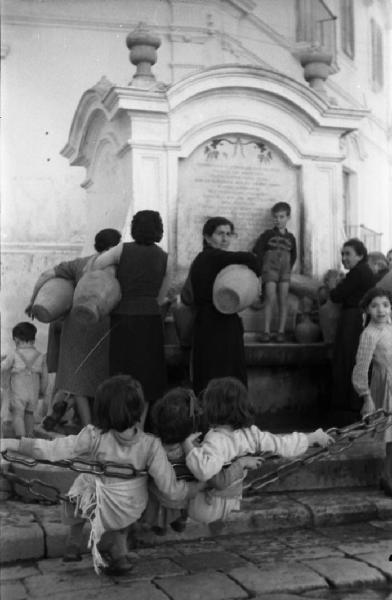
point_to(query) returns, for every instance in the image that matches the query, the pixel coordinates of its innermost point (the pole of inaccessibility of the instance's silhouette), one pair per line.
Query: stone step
(33, 531)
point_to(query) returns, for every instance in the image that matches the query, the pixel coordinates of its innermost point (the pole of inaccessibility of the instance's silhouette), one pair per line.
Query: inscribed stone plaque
(238, 177)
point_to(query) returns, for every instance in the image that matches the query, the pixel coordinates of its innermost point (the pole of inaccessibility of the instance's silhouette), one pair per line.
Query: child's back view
(28, 378)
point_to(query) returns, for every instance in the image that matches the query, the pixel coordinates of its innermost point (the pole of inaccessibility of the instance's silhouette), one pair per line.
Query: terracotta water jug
(184, 317)
(96, 295)
(235, 288)
(53, 300)
(329, 314)
(306, 331)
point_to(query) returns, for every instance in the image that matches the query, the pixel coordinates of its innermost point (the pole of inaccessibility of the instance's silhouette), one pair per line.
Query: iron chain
(374, 423)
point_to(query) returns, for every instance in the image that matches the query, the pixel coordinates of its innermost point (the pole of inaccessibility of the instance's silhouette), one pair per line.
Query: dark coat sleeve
(356, 282)
(241, 258)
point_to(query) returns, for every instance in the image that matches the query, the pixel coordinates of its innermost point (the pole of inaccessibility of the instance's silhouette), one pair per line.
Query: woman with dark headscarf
(136, 337)
(218, 346)
(348, 293)
(83, 351)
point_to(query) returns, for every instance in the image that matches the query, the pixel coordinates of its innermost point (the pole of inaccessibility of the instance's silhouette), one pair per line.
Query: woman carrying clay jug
(218, 345)
(348, 292)
(136, 337)
(79, 373)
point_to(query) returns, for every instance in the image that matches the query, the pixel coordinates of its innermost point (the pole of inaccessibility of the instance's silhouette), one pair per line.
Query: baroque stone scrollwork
(217, 148)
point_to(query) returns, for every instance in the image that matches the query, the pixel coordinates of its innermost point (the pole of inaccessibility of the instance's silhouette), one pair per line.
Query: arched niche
(237, 176)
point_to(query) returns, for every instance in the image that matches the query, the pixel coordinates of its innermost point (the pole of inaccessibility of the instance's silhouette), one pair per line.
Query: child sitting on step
(230, 415)
(110, 504)
(175, 417)
(25, 374)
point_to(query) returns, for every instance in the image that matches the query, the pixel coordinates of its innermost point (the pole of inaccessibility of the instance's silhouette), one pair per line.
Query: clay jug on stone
(96, 295)
(53, 300)
(184, 317)
(329, 314)
(306, 331)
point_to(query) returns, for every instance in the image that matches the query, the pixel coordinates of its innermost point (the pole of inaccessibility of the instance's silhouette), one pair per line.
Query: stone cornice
(40, 247)
(269, 82)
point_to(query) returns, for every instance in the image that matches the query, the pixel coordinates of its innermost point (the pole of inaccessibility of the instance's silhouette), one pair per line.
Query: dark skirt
(349, 330)
(218, 347)
(137, 349)
(83, 356)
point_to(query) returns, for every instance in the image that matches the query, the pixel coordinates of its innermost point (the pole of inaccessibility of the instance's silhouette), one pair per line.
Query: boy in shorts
(276, 250)
(27, 375)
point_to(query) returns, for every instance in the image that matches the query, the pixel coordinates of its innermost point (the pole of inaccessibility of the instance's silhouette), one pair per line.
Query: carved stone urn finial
(316, 63)
(143, 46)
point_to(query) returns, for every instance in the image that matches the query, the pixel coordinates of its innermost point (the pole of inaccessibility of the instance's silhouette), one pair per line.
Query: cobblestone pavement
(348, 562)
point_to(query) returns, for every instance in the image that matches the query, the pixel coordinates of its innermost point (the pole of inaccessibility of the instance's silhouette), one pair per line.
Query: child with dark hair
(175, 417)
(109, 503)
(375, 348)
(378, 263)
(27, 378)
(230, 415)
(276, 250)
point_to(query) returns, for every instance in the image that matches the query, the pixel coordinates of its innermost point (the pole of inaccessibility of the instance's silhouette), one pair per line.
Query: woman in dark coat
(348, 293)
(136, 345)
(218, 346)
(81, 359)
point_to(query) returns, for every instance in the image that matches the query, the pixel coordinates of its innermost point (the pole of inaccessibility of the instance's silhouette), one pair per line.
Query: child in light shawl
(110, 504)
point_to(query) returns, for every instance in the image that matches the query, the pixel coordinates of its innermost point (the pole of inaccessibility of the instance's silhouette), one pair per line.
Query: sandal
(72, 554)
(179, 525)
(119, 566)
(280, 338)
(264, 338)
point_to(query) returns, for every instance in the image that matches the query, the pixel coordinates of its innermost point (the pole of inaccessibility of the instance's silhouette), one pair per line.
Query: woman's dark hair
(119, 403)
(174, 416)
(147, 227)
(106, 238)
(358, 246)
(213, 223)
(24, 331)
(375, 292)
(226, 402)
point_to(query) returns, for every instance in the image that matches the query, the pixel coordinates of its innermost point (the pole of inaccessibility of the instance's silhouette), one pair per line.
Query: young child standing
(110, 504)
(175, 417)
(27, 375)
(229, 412)
(375, 347)
(276, 250)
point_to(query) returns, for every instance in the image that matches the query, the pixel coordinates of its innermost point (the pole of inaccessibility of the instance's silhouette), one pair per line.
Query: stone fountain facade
(228, 140)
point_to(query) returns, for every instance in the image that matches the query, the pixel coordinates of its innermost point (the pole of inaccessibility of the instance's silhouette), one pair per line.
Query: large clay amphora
(307, 332)
(235, 288)
(386, 282)
(303, 285)
(53, 300)
(184, 317)
(329, 314)
(96, 295)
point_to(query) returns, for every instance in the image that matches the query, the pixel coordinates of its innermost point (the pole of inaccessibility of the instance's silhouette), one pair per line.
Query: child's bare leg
(83, 408)
(388, 463)
(29, 423)
(18, 423)
(283, 294)
(270, 301)
(74, 541)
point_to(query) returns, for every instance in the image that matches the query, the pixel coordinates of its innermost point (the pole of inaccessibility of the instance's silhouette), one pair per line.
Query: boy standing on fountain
(276, 250)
